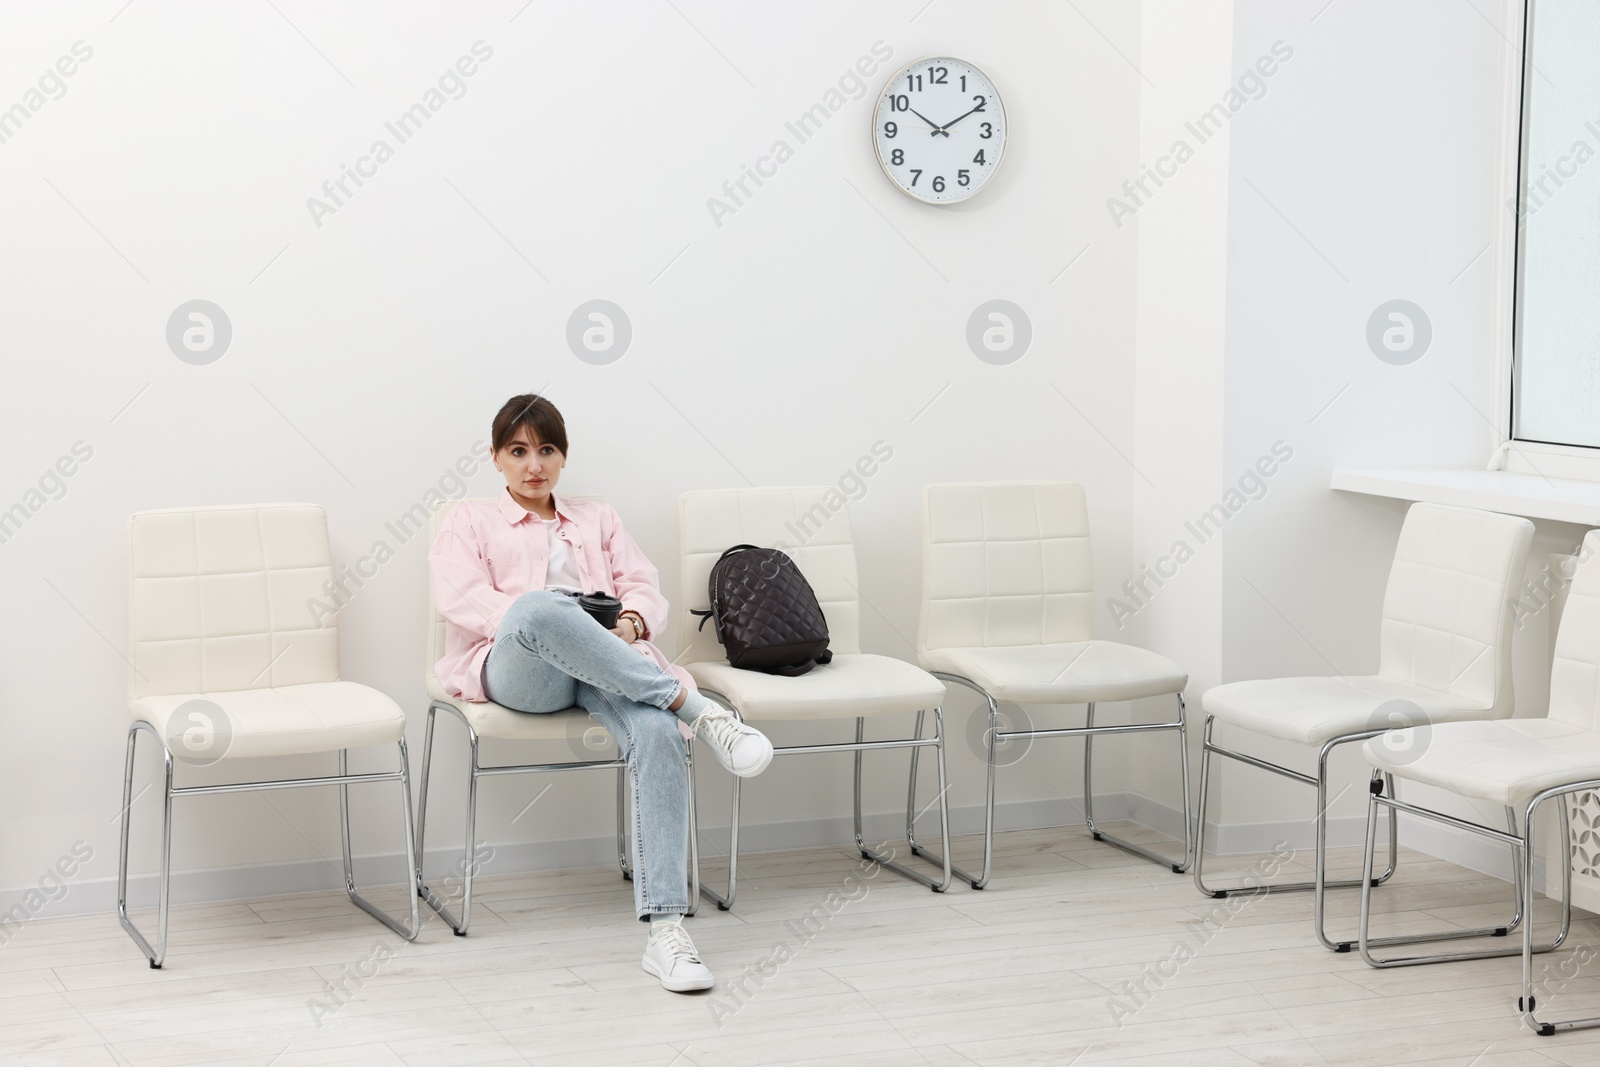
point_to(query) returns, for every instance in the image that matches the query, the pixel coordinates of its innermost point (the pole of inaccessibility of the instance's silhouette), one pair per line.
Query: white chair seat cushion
(284, 721)
(1505, 761)
(1072, 673)
(489, 719)
(1312, 711)
(851, 685)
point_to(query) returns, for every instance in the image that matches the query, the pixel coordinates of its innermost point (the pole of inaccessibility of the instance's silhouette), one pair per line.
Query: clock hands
(945, 129)
(937, 129)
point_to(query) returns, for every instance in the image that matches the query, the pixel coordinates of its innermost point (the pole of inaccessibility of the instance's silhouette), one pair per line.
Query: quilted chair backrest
(1449, 604)
(435, 521)
(227, 598)
(811, 524)
(1575, 674)
(1005, 563)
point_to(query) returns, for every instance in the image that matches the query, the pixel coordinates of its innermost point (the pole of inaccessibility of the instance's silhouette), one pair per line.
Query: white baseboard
(205, 885)
(89, 896)
(1434, 839)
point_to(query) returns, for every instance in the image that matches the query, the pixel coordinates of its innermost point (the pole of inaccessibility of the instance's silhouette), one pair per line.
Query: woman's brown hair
(543, 421)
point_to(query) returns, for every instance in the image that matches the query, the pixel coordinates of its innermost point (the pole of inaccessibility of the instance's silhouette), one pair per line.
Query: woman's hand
(626, 629)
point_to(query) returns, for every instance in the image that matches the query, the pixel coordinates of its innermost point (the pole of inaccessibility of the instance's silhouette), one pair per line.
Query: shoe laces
(722, 730)
(675, 939)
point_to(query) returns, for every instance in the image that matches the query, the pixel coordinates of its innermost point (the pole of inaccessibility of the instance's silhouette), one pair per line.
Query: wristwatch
(640, 630)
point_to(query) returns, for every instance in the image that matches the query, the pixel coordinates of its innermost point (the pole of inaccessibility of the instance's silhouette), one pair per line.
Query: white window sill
(1558, 499)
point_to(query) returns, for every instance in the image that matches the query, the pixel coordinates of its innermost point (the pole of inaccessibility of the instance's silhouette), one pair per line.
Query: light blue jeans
(549, 655)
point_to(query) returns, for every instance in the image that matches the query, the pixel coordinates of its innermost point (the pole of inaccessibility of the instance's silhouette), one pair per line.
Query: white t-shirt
(562, 573)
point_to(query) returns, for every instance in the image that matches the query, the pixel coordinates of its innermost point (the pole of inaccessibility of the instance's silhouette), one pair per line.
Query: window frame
(1523, 454)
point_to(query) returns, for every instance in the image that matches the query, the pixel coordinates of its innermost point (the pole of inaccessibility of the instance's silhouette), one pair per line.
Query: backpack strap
(711, 612)
(792, 672)
(801, 668)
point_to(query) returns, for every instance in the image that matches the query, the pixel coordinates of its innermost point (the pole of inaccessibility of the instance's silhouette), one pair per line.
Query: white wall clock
(939, 129)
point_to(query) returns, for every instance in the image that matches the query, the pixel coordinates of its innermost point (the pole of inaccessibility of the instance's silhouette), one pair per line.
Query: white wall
(1227, 313)
(370, 352)
(1368, 173)
(1182, 226)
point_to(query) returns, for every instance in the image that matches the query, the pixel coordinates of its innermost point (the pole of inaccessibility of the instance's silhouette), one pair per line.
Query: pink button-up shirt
(488, 554)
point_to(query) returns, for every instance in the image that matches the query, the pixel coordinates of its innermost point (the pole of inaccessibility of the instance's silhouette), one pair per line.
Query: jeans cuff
(644, 916)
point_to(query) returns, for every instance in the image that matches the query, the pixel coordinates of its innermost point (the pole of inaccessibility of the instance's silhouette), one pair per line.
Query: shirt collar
(515, 512)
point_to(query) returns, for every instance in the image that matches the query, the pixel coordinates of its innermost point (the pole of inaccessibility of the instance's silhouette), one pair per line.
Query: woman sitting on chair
(503, 573)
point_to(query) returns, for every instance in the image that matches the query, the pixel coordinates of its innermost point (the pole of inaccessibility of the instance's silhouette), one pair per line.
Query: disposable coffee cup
(602, 608)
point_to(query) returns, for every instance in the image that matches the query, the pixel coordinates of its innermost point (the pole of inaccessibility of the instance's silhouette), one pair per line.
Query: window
(1556, 359)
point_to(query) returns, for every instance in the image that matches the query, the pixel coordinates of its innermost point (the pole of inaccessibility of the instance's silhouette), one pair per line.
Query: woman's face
(531, 468)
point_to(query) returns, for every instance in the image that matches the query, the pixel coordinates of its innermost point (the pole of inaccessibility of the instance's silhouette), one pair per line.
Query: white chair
(1518, 763)
(1444, 656)
(1007, 600)
(231, 660)
(854, 685)
(491, 720)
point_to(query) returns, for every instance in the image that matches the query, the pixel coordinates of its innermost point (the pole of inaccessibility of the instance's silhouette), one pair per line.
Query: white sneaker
(744, 750)
(670, 956)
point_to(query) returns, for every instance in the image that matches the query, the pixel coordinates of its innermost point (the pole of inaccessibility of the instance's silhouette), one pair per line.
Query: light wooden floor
(1032, 970)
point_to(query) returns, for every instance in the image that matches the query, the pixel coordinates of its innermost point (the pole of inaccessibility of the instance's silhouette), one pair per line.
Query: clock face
(939, 129)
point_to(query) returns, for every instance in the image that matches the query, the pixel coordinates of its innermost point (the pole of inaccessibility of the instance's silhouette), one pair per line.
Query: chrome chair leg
(990, 775)
(917, 849)
(911, 789)
(724, 902)
(733, 846)
(159, 953)
(1523, 908)
(944, 803)
(1128, 846)
(1320, 882)
(469, 863)
(422, 799)
(1526, 1003)
(408, 932)
(1183, 763)
(343, 780)
(622, 824)
(859, 747)
(1516, 868)
(476, 771)
(721, 900)
(886, 859)
(694, 832)
(1087, 732)
(978, 882)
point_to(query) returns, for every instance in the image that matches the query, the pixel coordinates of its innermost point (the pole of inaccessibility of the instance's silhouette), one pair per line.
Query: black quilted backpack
(765, 613)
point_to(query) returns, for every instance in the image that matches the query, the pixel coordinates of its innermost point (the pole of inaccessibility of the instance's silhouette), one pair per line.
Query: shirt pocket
(508, 570)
